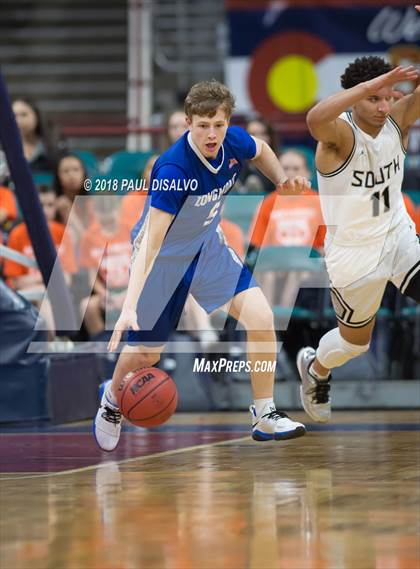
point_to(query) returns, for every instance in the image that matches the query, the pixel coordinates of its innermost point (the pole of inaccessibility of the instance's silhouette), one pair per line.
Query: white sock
(316, 375)
(110, 396)
(261, 403)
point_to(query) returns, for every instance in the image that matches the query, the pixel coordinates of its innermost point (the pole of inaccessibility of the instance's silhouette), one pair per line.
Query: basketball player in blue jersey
(362, 135)
(179, 248)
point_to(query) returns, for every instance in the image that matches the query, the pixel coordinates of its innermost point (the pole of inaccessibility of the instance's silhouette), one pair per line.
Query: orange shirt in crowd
(234, 236)
(288, 221)
(8, 203)
(132, 207)
(20, 241)
(111, 253)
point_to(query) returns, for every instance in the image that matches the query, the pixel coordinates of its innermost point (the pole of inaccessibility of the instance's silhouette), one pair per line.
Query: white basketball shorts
(359, 274)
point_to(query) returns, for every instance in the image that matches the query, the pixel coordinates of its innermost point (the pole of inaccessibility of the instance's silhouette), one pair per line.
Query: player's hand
(417, 7)
(296, 185)
(391, 78)
(127, 319)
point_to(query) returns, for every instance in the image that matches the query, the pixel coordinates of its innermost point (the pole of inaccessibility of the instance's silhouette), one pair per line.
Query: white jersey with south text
(361, 200)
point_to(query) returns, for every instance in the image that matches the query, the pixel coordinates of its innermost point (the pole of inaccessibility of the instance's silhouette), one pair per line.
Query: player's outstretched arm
(406, 111)
(267, 163)
(155, 230)
(323, 121)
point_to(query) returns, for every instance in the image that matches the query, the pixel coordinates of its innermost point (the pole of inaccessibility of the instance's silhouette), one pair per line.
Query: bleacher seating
(125, 164)
(414, 195)
(301, 261)
(89, 160)
(43, 178)
(241, 209)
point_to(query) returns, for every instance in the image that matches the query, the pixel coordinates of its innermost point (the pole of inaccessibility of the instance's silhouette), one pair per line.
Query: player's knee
(258, 322)
(334, 351)
(261, 319)
(413, 288)
(148, 360)
(140, 359)
(91, 306)
(84, 305)
(152, 359)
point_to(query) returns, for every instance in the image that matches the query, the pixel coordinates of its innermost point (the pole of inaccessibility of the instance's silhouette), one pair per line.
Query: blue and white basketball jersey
(186, 184)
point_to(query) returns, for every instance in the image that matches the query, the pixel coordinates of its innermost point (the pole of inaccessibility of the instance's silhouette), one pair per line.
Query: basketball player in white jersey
(362, 135)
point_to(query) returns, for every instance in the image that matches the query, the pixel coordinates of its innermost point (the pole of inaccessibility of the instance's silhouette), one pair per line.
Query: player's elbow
(312, 120)
(315, 123)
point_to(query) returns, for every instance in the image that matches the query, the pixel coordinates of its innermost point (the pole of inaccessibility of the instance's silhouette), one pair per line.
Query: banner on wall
(285, 56)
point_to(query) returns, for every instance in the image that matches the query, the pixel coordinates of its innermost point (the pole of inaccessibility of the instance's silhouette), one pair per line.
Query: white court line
(16, 476)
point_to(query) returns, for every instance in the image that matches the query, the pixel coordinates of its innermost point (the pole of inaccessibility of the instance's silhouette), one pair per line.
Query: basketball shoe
(272, 424)
(314, 393)
(108, 421)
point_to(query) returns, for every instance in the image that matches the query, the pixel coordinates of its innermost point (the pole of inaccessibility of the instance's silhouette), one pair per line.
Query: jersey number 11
(376, 198)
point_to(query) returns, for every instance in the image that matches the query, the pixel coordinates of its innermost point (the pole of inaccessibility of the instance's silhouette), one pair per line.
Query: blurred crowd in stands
(92, 230)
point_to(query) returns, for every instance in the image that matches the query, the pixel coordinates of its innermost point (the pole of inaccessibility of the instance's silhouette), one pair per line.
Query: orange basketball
(147, 397)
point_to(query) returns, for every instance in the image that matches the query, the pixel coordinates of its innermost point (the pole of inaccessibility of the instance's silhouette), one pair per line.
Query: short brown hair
(206, 97)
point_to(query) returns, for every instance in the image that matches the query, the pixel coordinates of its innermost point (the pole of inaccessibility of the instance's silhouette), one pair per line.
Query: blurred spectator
(176, 126)
(8, 209)
(260, 128)
(36, 146)
(295, 163)
(251, 181)
(133, 203)
(24, 278)
(69, 176)
(105, 250)
(289, 220)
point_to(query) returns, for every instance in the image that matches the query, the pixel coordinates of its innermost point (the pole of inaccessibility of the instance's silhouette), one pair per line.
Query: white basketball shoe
(314, 393)
(273, 424)
(108, 421)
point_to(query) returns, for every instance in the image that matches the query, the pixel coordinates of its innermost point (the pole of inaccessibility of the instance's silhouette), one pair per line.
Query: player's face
(208, 133)
(374, 110)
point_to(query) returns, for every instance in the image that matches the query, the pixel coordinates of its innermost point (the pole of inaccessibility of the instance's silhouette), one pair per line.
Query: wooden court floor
(200, 494)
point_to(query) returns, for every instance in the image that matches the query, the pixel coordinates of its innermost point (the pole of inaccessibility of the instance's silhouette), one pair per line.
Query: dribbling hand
(126, 320)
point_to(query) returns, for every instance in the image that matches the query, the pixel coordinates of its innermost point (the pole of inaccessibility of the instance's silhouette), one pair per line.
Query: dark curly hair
(363, 69)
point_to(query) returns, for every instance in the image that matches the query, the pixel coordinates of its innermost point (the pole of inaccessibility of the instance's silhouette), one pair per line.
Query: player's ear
(188, 120)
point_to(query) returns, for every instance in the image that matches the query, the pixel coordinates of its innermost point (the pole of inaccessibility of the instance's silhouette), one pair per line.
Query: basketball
(147, 397)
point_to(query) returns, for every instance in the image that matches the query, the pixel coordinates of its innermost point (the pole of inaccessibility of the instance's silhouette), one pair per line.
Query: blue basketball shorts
(214, 276)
